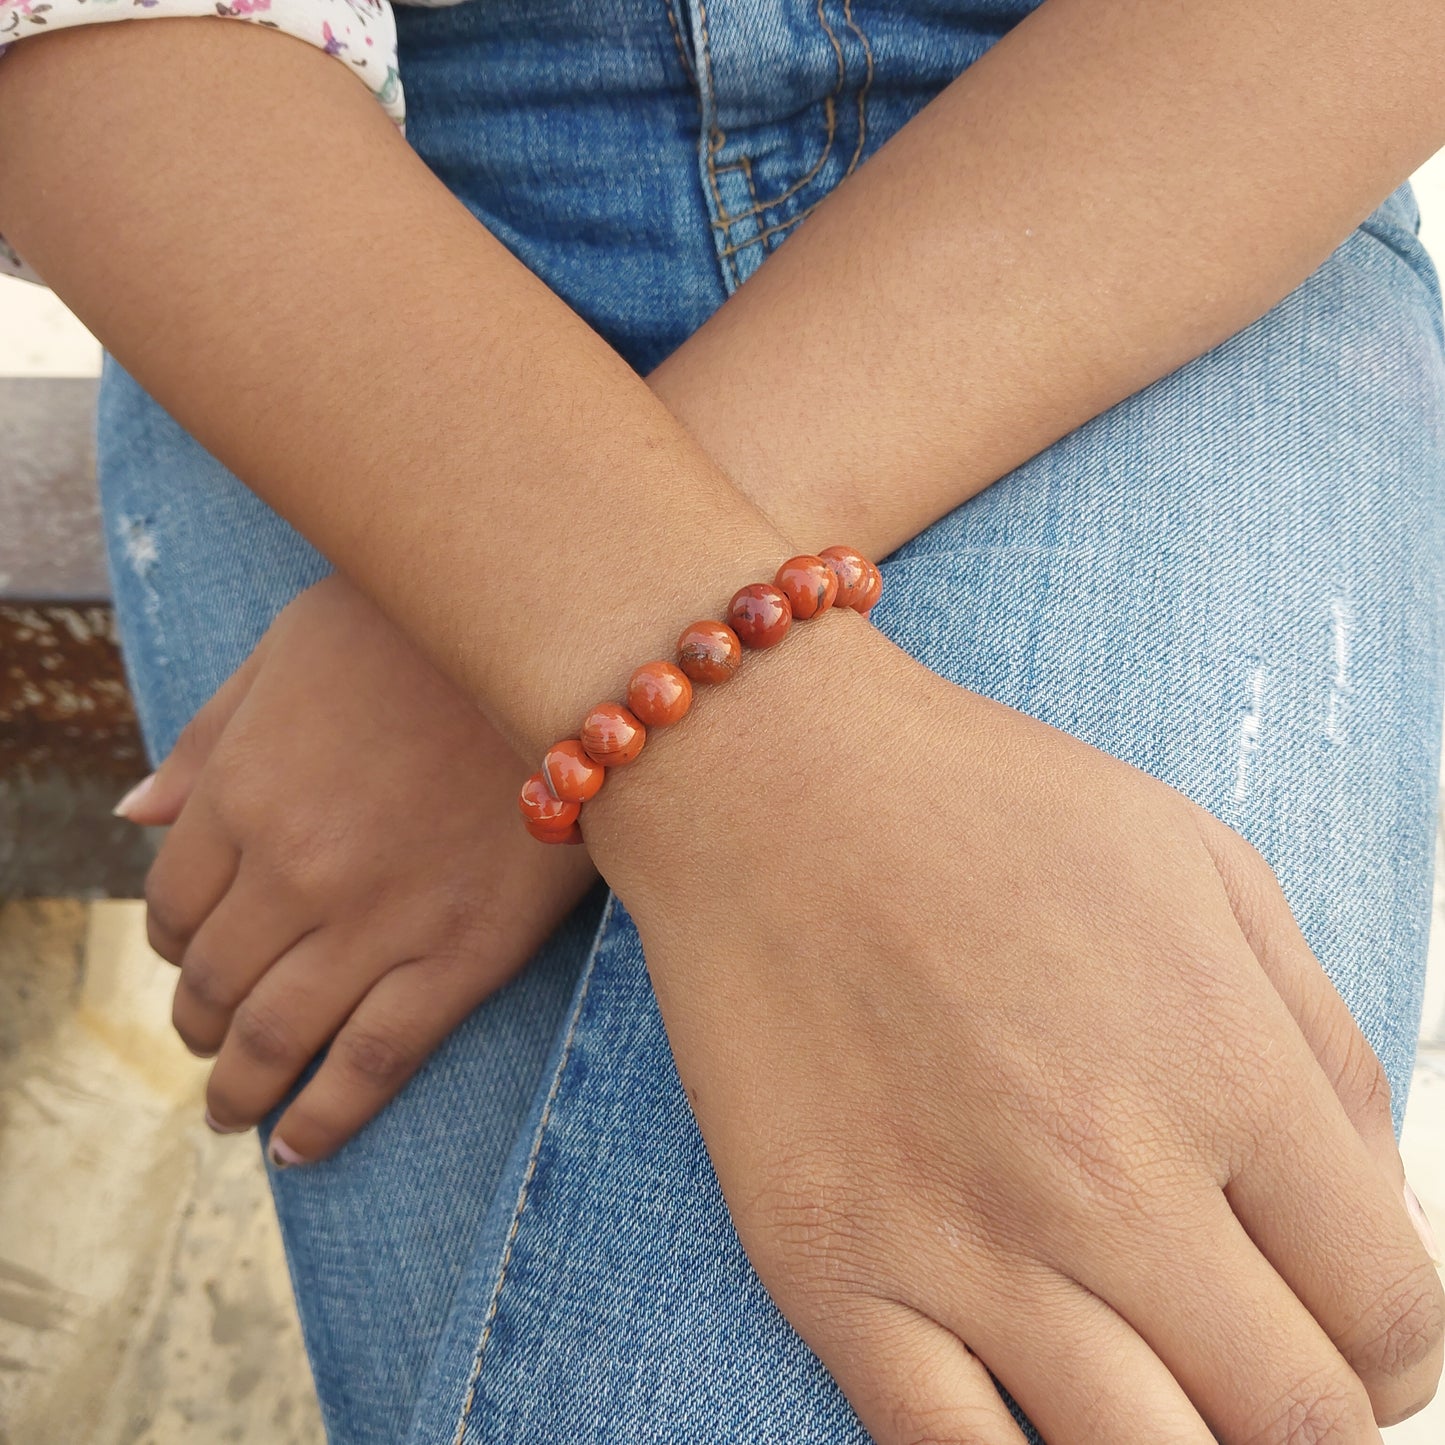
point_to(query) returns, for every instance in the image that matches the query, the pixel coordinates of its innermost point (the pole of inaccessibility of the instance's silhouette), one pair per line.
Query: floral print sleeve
(360, 33)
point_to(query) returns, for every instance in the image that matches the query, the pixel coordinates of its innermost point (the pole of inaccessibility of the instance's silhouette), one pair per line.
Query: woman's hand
(346, 865)
(1007, 1055)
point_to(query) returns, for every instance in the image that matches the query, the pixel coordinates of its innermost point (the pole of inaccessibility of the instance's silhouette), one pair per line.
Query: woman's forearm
(317, 310)
(1113, 189)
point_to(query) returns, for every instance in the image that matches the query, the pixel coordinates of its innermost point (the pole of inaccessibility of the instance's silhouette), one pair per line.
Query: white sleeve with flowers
(360, 33)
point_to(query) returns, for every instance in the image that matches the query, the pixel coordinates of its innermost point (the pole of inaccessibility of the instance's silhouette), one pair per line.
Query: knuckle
(382, 1059)
(208, 985)
(194, 1036)
(810, 1246)
(162, 942)
(193, 1039)
(228, 1107)
(1326, 1409)
(1404, 1329)
(1099, 1135)
(168, 924)
(264, 1036)
(1362, 1077)
(308, 866)
(199, 735)
(943, 1425)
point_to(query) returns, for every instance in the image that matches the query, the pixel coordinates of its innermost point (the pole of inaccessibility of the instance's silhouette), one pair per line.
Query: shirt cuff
(359, 33)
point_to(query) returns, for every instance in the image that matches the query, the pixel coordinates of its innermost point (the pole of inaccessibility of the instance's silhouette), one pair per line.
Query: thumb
(157, 801)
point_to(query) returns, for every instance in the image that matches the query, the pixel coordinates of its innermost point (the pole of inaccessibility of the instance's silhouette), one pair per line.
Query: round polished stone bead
(541, 809)
(809, 584)
(851, 569)
(570, 773)
(659, 694)
(760, 615)
(612, 736)
(570, 834)
(867, 599)
(709, 651)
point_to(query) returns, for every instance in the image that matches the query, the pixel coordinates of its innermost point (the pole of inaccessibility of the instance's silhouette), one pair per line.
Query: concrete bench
(69, 745)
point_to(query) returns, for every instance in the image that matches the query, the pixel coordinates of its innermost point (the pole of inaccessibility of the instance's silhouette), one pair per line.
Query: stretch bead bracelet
(660, 693)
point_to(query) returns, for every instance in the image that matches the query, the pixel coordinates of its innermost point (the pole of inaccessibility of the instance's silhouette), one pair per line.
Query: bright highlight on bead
(570, 773)
(851, 570)
(872, 591)
(809, 584)
(612, 736)
(538, 806)
(760, 615)
(659, 694)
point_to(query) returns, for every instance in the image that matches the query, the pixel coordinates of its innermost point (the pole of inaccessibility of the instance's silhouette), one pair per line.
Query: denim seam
(682, 55)
(1402, 242)
(863, 90)
(830, 111)
(713, 140)
(744, 164)
(762, 236)
(530, 1173)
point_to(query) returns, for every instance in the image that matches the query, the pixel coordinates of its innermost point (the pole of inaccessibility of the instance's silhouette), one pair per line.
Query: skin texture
(1053, 1231)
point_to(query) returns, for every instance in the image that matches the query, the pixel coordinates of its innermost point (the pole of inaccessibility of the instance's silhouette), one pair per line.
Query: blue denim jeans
(1232, 580)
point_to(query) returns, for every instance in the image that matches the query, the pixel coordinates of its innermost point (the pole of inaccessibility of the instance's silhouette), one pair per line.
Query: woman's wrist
(756, 730)
(659, 694)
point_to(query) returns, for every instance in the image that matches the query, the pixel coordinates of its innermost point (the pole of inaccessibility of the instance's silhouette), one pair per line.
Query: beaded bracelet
(660, 693)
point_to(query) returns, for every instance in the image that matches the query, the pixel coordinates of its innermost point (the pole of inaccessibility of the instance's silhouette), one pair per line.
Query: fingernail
(1422, 1225)
(218, 1128)
(282, 1155)
(123, 808)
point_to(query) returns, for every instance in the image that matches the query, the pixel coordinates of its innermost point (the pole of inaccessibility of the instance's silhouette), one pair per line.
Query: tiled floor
(143, 1295)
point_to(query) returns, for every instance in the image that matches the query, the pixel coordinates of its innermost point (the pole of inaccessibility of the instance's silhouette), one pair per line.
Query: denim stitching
(745, 165)
(763, 235)
(863, 90)
(714, 141)
(677, 41)
(830, 110)
(531, 1170)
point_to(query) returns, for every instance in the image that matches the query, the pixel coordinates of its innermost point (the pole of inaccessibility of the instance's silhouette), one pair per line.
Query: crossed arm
(1113, 189)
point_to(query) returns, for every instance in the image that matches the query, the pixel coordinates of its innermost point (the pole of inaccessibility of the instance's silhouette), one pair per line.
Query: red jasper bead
(611, 735)
(851, 570)
(809, 584)
(709, 651)
(570, 773)
(570, 834)
(659, 694)
(872, 591)
(760, 615)
(540, 809)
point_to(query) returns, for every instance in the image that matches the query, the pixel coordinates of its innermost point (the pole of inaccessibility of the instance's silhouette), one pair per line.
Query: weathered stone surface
(143, 1295)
